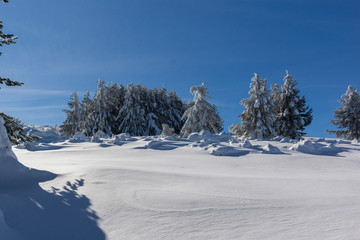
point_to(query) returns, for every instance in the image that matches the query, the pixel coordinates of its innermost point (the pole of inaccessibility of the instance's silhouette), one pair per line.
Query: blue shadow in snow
(37, 214)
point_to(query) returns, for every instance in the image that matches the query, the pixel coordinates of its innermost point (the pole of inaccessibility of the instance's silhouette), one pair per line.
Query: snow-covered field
(205, 187)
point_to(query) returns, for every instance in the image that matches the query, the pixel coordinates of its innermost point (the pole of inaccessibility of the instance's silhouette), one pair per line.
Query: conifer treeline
(139, 111)
(132, 109)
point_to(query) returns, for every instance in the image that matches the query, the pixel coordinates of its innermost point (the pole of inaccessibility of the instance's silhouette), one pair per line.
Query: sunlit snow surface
(204, 187)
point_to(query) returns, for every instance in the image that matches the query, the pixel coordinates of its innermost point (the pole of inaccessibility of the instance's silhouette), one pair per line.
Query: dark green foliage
(14, 127)
(292, 114)
(15, 130)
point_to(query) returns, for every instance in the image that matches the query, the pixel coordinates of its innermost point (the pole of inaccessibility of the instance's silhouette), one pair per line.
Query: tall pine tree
(72, 123)
(348, 116)
(258, 117)
(14, 127)
(292, 114)
(201, 115)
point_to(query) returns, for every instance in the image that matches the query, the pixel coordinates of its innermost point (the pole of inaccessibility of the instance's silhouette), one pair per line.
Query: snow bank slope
(201, 188)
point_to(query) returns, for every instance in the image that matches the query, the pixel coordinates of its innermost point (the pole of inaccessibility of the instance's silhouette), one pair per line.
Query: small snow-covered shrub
(166, 130)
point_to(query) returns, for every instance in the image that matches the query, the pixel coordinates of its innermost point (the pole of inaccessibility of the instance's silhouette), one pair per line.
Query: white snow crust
(203, 187)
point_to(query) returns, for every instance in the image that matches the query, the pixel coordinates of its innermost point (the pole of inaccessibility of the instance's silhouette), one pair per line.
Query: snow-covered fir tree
(72, 123)
(348, 116)
(7, 39)
(201, 115)
(175, 111)
(15, 130)
(132, 115)
(101, 117)
(257, 120)
(292, 114)
(87, 107)
(14, 127)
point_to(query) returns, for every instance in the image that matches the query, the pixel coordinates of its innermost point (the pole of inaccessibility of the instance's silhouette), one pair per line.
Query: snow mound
(208, 138)
(46, 133)
(98, 135)
(229, 151)
(246, 143)
(316, 148)
(12, 172)
(268, 148)
(80, 137)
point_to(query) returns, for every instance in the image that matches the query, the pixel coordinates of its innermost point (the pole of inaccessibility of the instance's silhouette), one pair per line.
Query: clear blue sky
(67, 45)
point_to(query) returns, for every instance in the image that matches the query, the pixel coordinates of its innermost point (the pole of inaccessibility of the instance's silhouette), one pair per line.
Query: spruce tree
(101, 116)
(87, 107)
(201, 115)
(14, 127)
(348, 116)
(258, 117)
(292, 114)
(132, 115)
(7, 39)
(72, 123)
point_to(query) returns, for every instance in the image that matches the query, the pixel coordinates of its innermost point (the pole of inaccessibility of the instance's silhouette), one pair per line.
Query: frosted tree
(101, 116)
(176, 109)
(201, 115)
(348, 116)
(72, 123)
(166, 130)
(87, 107)
(292, 114)
(258, 117)
(132, 115)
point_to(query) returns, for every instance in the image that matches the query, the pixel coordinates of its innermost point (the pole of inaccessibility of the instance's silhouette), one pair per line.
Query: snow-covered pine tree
(87, 107)
(101, 116)
(292, 114)
(14, 128)
(201, 115)
(7, 39)
(348, 116)
(258, 117)
(132, 115)
(72, 123)
(114, 100)
(176, 109)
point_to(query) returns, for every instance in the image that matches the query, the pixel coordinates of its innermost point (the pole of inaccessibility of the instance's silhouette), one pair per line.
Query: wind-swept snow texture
(204, 187)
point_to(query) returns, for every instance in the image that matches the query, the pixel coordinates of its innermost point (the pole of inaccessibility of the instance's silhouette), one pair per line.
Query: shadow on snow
(42, 215)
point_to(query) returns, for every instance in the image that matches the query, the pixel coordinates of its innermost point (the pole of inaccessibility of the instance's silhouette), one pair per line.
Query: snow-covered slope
(204, 187)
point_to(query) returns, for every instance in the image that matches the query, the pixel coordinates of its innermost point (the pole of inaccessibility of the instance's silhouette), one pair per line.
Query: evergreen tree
(72, 123)
(15, 130)
(132, 115)
(201, 115)
(348, 116)
(292, 114)
(14, 127)
(258, 117)
(101, 116)
(87, 107)
(7, 39)
(176, 109)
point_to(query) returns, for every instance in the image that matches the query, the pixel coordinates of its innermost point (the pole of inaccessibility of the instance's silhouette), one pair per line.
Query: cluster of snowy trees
(115, 109)
(139, 111)
(280, 112)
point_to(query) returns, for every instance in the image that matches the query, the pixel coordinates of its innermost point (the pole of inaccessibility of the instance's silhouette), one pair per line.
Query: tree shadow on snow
(42, 215)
